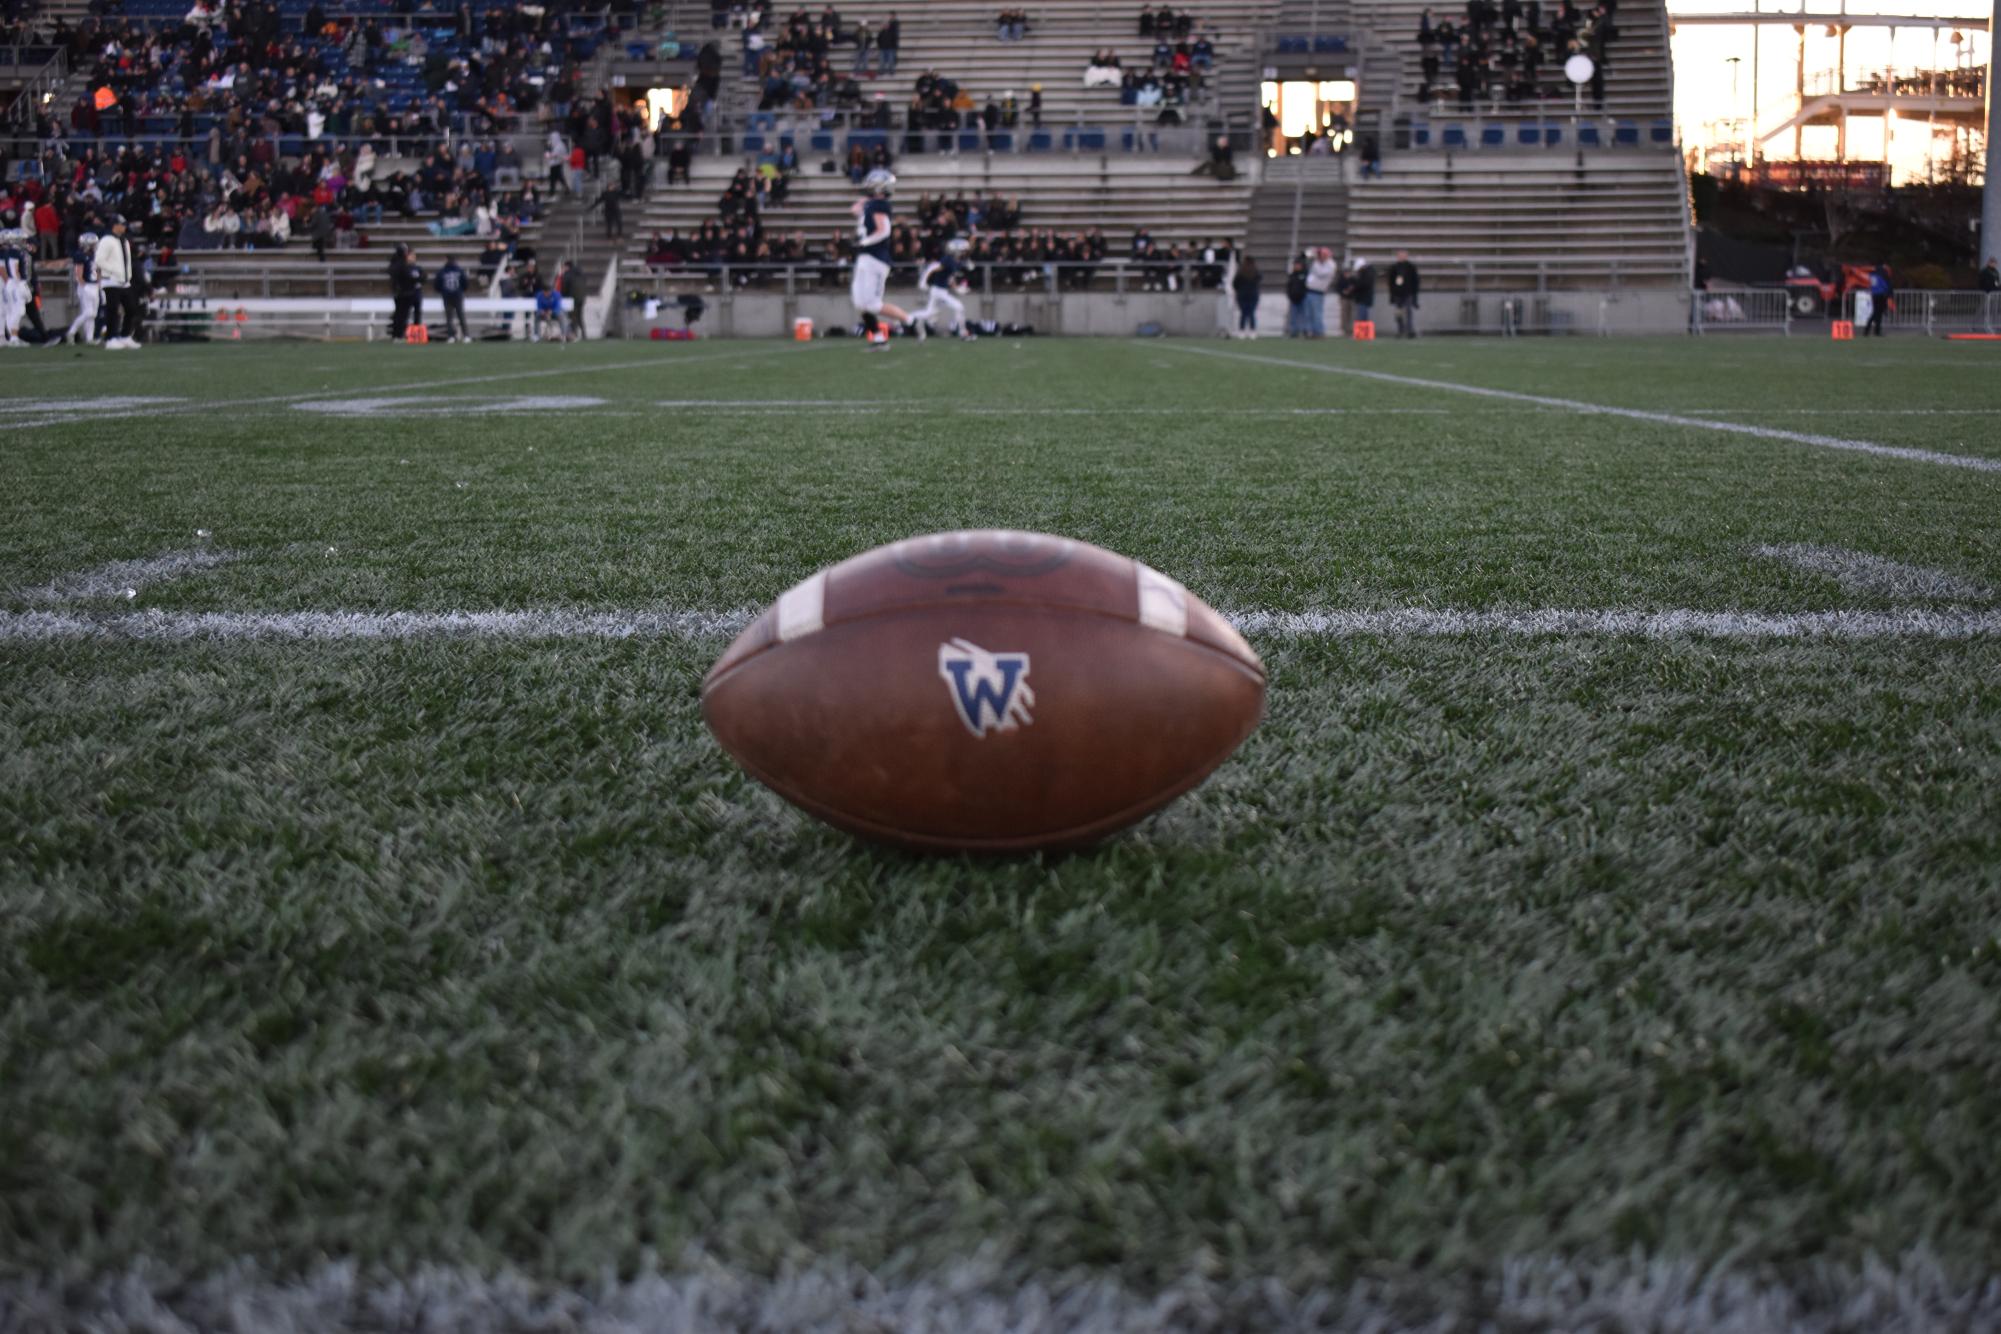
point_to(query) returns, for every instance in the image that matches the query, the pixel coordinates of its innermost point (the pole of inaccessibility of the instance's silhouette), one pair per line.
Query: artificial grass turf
(480, 953)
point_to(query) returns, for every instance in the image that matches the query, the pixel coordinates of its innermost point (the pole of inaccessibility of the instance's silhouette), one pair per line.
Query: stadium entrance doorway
(663, 106)
(1309, 112)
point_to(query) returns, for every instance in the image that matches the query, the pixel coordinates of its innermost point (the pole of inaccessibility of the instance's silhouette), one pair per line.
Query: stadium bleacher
(1116, 194)
(1493, 222)
(958, 39)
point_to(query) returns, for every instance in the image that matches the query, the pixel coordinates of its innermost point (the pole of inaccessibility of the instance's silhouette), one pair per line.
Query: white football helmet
(879, 183)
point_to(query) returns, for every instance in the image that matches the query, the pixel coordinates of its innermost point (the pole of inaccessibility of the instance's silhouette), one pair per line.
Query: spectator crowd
(1512, 50)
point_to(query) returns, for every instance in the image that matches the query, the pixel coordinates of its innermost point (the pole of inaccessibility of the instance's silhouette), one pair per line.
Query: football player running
(872, 214)
(946, 280)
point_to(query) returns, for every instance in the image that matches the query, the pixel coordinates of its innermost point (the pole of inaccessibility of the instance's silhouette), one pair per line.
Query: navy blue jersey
(452, 280)
(871, 210)
(947, 272)
(85, 258)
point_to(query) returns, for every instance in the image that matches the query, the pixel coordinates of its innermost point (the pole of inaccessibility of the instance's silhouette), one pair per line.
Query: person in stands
(1990, 275)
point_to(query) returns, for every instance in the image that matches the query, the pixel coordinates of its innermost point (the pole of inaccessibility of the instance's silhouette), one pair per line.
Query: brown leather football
(984, 692)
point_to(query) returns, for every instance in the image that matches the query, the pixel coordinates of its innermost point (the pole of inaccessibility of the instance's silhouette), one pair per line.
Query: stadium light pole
(1990, 189)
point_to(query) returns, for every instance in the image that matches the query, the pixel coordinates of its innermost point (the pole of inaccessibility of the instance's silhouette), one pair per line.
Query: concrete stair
(1300, 202)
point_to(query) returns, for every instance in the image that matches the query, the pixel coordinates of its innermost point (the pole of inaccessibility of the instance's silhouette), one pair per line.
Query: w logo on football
(990, 690)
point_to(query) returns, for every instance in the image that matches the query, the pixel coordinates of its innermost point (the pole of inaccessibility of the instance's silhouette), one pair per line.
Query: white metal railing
(1801, 310)
(233, 319)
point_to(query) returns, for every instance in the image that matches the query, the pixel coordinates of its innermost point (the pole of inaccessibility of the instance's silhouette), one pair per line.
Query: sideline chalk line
(1582, 407)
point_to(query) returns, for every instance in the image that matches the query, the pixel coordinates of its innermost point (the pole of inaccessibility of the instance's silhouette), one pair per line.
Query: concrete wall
(1198, 314)
(1100, 314)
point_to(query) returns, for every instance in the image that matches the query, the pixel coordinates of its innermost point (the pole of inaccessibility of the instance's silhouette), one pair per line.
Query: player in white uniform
(13, 289)
(83, 275)
(945, 280)
(872, 214)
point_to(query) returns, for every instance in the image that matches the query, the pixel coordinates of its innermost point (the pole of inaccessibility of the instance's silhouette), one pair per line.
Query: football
(984, 692)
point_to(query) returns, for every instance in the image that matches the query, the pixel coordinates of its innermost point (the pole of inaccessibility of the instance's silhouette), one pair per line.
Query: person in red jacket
(48, 230)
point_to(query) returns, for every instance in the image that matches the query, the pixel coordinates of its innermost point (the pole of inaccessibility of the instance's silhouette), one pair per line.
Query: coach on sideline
(406, 287)
(118, 281)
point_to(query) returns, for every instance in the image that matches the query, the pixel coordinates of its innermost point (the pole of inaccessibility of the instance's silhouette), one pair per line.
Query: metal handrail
(52, 69)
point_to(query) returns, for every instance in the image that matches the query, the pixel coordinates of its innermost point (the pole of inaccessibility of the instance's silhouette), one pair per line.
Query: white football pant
(88, 295)
(13, 306)
(871, 281)
(940, 297)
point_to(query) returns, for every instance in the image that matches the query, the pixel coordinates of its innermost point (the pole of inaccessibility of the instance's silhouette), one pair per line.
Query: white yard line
(122, 578)
(1910, 1292)
(1421, 622)
(324, 626)
(1392, 623)
(1843, 412)
(874, 408)
(664, 361)
(106, 403)
(1860, 572)
(1969, 461)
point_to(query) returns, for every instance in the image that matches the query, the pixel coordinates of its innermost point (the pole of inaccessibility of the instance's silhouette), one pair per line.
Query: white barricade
(330, 317)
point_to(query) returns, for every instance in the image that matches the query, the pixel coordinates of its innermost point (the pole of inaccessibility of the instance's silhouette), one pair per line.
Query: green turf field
(1604, 924)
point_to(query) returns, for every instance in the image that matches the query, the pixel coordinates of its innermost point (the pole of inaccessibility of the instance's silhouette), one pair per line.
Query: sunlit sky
(1713, 99)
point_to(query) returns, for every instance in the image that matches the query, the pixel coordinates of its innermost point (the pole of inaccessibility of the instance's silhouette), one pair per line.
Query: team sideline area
(1602, 931)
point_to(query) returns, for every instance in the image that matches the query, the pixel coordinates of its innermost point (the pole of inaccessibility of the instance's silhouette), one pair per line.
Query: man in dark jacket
(888, 43)
(1990, 276)
(406, 288)
(1403, 294)
(322, 230)
(1361, 290)
(451, 285)
(570, 283)
(1880, 292)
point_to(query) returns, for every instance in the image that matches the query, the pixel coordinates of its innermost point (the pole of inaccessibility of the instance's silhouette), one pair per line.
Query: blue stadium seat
(822, 142)
(1626, 135)
(1089, 141)
(1587, 136)
(1529, 136)
(753, 142)
(1290, 45)
(1040, 141)
(1455, 136)
(1493, 136)
(1328, 44)
(1420, 135)
(969, 141)
(1662, 132)
(1003, 141)
(1552, 135)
